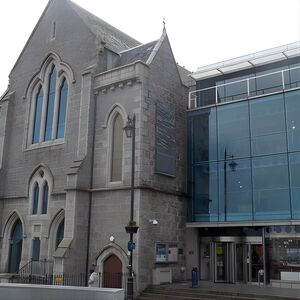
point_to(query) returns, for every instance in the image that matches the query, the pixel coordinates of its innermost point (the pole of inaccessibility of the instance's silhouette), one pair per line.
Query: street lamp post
(233, 165)
(131, 227)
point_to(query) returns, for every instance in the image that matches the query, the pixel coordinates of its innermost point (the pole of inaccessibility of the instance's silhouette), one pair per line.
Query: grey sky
(200, 31)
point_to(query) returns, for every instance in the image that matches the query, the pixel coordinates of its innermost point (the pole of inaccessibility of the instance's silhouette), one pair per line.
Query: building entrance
(224, 262)
(231, 260)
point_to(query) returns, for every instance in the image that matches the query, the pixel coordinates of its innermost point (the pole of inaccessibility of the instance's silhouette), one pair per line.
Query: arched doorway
(15, 249)
(112, 272)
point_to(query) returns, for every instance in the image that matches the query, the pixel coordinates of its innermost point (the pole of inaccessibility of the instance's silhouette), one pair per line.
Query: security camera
(153, 221)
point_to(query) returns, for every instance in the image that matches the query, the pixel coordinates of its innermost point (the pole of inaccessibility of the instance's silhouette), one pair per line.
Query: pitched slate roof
(140, 53)
(115, 39)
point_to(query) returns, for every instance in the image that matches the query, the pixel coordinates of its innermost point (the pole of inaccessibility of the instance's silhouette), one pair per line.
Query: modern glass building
(244, 169)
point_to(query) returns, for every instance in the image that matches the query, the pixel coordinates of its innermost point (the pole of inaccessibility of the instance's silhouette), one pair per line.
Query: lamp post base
(130, 288)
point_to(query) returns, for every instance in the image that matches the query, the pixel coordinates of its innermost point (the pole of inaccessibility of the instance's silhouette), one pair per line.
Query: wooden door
(112, 272)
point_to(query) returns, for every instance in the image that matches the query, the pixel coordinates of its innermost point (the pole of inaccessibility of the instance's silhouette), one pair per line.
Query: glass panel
(45, 199)
(205, 135)
(283, 258)
(292, 119)
(269, 83)
(221, 263)
(37, 116)
(232, 91)
(117, 149)
(50, 105)
(233, 130)
(36, 249)
(206, 97)
(268, 125)
(206, 192)
(256, 262)
(235, 190)
(35, 199)
(271, 188)
(294, 160)
(63, 96)
(295, 78)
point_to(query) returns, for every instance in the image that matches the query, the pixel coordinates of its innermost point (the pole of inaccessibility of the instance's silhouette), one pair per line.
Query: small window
(36, 246)
(45, 199)
(35, 202)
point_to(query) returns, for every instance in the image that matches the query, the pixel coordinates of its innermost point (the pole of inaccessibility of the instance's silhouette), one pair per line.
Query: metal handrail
(193, 94)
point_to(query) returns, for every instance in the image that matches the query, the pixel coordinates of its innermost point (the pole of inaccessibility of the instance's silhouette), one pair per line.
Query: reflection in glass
(266, 84)
(205, 135)
(292, 100)
(233, 130)
(235, 190)
(271, 188)
(294, 160)
(206, 192)
(268, 125)
(232, 91)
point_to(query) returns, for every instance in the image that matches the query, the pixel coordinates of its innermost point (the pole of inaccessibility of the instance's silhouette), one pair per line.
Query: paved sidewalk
(238, 288)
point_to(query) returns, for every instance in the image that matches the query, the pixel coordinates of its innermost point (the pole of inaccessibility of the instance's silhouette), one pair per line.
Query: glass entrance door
(224, 262)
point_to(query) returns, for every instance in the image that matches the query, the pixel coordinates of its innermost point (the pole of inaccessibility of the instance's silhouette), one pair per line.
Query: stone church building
(65, 161)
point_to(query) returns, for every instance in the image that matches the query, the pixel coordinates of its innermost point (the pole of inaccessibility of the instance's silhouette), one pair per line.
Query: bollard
(194, 277)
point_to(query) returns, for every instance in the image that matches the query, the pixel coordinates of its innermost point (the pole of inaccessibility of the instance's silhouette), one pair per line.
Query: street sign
(131, 246)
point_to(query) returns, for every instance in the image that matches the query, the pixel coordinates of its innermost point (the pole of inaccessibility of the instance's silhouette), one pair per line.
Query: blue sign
(131, 246)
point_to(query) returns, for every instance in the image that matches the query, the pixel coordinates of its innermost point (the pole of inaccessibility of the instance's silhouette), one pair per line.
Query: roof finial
(164, 23)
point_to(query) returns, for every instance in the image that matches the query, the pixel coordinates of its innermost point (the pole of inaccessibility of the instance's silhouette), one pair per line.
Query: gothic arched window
(117, 148)
(37, 116)
(50, 104)
(35, 202)
(45, 198)
(49, 107)
(62, 107)
(60, 233)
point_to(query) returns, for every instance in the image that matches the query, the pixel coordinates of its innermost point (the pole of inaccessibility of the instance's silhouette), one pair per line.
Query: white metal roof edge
(248, 61)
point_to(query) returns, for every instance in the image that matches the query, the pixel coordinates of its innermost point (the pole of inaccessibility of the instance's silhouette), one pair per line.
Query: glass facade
(244, 159)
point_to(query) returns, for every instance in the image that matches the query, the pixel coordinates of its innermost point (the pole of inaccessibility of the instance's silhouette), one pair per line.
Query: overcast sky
(201, 32)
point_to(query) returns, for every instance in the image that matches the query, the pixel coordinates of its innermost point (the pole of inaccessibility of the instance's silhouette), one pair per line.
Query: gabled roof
(114, 39)
(139, 53)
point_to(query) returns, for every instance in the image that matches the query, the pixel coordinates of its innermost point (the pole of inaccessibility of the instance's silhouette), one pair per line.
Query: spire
(164, 24)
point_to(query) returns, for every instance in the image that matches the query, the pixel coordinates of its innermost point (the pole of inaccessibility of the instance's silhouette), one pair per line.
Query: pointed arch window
(35, 202)
(60, 233)
(63, 95)
(48, 113)
(37, 115)
(117, 148)
(45, 198)
(50, 104)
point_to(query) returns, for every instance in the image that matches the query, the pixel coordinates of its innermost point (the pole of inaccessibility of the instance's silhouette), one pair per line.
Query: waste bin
(194, 277)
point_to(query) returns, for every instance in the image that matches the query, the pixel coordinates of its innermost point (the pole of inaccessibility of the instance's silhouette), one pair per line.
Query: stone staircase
(175, 292)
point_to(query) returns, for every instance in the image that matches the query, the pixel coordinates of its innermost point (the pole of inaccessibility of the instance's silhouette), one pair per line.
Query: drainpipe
(90, 193)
